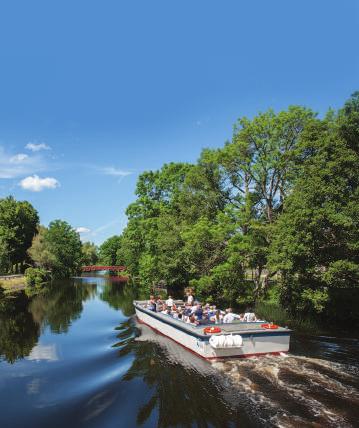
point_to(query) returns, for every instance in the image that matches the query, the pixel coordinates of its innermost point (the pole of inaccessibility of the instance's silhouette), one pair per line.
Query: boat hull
(254, 343)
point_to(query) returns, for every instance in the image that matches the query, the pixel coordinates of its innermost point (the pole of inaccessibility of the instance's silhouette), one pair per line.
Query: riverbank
(12, 283)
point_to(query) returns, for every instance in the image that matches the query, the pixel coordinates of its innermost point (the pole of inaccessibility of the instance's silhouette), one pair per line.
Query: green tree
(108, 250)
(250, 177)
(316, 239)
(40, 251)
(59, 249)
(89, 253)
(18, 225)
(261, 159)
(264, 204)
(144, 239)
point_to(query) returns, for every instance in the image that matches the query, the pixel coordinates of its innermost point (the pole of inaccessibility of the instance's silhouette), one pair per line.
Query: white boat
(232, 340)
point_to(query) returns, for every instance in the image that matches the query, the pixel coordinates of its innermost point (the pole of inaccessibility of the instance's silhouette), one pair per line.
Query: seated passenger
(159, 305)
(151, 304)
(217, 317)
(229, 317)
(199, 312)
(249, 316)
(188, 310)
(211, 312)
(169, 302)
(194, 308)
(192, 320)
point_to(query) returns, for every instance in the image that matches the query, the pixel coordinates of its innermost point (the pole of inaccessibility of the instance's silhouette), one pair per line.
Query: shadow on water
(75, 356)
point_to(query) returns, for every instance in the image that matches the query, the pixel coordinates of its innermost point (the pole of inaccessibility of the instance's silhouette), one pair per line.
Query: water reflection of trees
(119, 296)
(60, 305)
(22, 317)
(181, 396)
(18, 330)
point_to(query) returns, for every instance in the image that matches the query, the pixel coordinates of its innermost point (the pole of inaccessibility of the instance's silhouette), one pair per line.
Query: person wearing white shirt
(194, 308)
(229, 317)
(249, 317)
(169, 302)
(190, 298)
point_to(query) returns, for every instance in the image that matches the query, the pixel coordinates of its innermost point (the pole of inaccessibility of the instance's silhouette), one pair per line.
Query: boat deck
(237, 327)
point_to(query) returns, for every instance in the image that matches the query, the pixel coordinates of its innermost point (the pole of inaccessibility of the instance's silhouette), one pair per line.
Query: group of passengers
(193, 312)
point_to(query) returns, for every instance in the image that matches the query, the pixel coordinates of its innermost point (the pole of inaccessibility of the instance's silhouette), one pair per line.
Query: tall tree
(40, 251)
(64, 244)
(89, 253)
(316, 239)
(108, 250)
(260, 159)
(18, 225)
(157, 200)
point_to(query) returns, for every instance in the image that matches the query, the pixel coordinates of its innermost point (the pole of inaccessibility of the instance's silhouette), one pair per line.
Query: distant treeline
(278, 204)
(56, 249)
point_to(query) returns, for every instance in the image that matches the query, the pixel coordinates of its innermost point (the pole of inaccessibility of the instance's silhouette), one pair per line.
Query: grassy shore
(13, 284)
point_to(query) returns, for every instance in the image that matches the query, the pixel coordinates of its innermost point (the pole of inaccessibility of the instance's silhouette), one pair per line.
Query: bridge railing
(99, 268)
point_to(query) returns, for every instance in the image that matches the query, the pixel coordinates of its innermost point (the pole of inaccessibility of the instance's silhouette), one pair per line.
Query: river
(75, 357)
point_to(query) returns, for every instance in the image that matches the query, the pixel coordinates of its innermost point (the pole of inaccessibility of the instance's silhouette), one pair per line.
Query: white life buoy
(226, 341)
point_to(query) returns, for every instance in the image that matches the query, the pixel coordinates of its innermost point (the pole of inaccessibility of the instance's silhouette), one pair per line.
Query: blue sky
(92, 93)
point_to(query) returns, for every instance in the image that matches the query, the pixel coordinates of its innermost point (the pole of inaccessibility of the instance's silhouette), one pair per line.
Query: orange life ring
(270, 326)
(212, 330)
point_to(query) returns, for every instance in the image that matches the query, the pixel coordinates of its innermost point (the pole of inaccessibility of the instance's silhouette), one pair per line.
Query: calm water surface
(75, 357)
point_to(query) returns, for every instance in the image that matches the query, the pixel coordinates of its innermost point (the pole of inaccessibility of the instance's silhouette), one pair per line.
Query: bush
(276, 313)
(36, 277)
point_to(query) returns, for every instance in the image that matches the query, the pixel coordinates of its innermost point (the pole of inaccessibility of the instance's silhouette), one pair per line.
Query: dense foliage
(36, 278)
(89, 253)
(278, 203)
(107, 254)
(24, 243)
(58, 248)
(316, 239)
(18, 225)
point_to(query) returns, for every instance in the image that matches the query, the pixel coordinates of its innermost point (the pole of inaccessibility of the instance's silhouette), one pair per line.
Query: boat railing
(237, 324)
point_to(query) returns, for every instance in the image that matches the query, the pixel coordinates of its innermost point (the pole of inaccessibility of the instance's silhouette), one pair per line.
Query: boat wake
(295, 391)
(279, 391)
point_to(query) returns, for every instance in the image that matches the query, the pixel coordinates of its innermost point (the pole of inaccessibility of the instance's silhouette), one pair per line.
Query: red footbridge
(100, 268)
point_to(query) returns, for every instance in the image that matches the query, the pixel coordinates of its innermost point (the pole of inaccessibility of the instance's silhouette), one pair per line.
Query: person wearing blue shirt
(199, 312)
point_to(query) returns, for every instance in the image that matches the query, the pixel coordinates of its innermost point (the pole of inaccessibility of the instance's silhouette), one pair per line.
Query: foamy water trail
(279, 391)
(294, 391)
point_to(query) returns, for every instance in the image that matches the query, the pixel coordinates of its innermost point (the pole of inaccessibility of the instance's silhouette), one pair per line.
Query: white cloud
(110, 170)
(82, 229)
(36, 184)
(20, 157)
(37, 147)
(17, 165)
